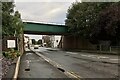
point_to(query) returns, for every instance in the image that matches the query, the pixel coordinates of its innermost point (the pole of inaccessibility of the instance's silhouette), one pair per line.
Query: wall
(73, 42)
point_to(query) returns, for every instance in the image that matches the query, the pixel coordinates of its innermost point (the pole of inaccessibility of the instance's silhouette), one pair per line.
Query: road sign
(11, 44)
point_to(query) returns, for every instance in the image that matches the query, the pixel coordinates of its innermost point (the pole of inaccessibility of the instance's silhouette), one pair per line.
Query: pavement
(7, 67)
(88, 51)
(86, 65)
(0, 68)
(10, 72)
(32, 66)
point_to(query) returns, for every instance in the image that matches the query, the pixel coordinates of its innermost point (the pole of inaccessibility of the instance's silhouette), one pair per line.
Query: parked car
(40, 46)
(36, 46)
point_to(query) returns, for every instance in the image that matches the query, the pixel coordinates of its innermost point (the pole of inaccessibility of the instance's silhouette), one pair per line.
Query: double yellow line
(70, 74)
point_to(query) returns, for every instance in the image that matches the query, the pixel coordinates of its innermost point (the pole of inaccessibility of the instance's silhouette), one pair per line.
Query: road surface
(85, 65)
(33, 66)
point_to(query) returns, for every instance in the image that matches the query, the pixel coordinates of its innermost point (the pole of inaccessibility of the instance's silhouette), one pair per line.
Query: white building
(26, 40)
(55, 41)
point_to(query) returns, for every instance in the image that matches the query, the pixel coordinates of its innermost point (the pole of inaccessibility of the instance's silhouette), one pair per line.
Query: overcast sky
(47, 12)
(44, 12)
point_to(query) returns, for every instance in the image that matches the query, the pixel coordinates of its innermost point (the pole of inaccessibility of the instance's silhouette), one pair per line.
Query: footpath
(86, 51)
(8, 68)
(33, 67)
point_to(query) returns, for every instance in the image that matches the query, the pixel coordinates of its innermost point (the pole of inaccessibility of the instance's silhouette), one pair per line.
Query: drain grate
(27, 69)
(61, 69)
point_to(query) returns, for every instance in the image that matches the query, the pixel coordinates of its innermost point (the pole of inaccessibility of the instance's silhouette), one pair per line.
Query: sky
(43, 11)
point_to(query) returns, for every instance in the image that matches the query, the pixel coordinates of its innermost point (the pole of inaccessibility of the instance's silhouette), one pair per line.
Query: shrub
(11, 54)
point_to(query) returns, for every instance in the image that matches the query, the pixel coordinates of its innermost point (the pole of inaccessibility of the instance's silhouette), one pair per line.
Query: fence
(108, 48)
(114, 48)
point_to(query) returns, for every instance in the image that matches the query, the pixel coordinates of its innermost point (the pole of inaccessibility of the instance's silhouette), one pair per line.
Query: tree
(17, 24)
(33, 41)
(39, 41)
(108, 27)
(47, 40)
(7, 18)
(11, 22)
(82, 18)
(12, 25)
(94, 21)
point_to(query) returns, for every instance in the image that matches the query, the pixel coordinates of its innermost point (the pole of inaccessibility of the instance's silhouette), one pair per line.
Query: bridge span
(44, 29)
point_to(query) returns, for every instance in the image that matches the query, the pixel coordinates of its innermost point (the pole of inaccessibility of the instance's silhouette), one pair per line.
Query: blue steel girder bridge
(44, 29)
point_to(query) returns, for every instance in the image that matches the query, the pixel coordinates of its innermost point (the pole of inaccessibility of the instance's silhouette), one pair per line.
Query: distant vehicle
(40, 46)
(36, 46)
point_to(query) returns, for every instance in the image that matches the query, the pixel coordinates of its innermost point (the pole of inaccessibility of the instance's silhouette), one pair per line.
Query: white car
(36, 46)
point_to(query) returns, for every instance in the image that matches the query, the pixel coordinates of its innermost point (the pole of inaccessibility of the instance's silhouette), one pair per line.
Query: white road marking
(91, 55)
(71, 75)
(84, 55)
(71, 53)
(102, 57)
(95, 56)
(115, 59)
(28, 53)
(30, 61)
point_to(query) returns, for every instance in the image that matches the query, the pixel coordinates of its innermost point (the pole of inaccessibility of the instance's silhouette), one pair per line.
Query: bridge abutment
(75, 42)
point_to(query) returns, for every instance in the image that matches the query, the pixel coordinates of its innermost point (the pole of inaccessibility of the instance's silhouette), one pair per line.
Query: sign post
(9, 42)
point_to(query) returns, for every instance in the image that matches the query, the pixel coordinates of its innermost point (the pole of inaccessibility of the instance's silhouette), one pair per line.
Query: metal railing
(114, 48)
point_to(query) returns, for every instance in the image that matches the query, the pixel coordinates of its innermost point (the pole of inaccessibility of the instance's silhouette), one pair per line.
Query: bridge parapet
(40, 28)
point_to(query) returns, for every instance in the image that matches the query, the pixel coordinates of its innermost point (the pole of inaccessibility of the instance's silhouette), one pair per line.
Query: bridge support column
(68, 42)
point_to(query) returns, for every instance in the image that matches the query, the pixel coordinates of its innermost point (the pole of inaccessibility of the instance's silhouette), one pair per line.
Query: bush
(11, 54)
